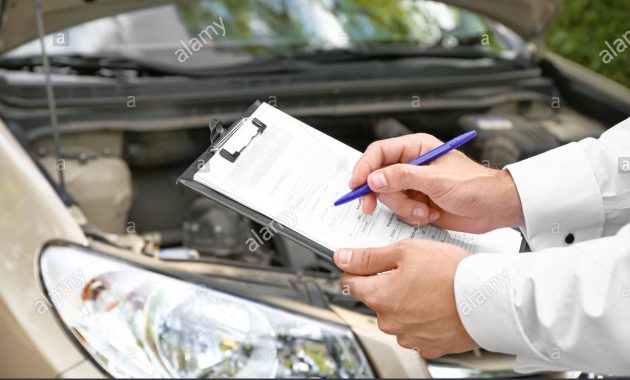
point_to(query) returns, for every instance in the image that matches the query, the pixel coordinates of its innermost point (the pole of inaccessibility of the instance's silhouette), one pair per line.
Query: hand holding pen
(452, 192)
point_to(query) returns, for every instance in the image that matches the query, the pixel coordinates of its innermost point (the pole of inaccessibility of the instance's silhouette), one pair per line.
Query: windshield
(211, 33)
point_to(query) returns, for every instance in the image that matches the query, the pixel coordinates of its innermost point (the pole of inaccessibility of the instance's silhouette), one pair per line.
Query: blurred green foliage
(279, 26)
(581, 30)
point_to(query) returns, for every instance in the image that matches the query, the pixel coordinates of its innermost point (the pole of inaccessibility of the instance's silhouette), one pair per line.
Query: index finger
(390, 151)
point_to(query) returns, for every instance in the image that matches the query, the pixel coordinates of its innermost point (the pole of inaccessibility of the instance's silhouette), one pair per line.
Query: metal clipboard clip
(218, 131)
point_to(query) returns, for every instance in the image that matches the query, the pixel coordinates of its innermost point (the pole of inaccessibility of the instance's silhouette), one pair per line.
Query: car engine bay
(127, 135)
(124, 182)
(121, 153)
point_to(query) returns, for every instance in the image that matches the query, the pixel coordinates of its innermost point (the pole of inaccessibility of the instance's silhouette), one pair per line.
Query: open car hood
(18, 24)
(528, 18)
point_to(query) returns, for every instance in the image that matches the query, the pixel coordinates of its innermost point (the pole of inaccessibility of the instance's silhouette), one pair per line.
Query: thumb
(401, 177)
(366, 261)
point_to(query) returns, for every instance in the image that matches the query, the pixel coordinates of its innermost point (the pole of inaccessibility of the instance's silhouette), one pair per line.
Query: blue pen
(422, 160)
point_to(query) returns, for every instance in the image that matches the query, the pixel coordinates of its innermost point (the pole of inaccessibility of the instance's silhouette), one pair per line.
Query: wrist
(509, 209)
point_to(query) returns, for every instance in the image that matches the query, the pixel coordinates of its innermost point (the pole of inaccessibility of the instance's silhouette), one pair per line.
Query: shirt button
(569, 239)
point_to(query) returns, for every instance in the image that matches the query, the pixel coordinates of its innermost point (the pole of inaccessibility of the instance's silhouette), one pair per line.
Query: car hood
(17, 17)
(528, 18)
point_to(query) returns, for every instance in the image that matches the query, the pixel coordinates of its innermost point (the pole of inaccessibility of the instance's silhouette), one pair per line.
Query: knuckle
(375, 301)
(374, 145)
(360, 169)
(402, 246)
(372, 301)
(429, 138)
(366, 258)
(386, 326)
(396, 246)
(406, 243)
(430, 353)
(405, 342)
(402, 173)
(375, 149)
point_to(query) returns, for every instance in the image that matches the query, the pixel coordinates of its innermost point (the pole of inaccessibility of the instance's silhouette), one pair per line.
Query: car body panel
(393, 360)
(603, 98)
(31, 213)
(527, 18)
(83, 370)
(17, 17)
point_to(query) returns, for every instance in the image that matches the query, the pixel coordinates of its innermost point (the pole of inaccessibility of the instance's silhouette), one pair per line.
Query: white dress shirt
(567, 304)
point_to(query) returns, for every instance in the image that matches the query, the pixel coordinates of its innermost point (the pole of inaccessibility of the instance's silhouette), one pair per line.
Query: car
(109, 268)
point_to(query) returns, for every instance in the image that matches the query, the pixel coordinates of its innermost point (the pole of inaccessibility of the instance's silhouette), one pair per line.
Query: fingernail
(378, 179)
(434, 216)
(420, 212)
(344, 256)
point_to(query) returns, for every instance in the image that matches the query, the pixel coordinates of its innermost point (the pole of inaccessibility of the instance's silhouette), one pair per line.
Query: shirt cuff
(561, 198)
(483, 294)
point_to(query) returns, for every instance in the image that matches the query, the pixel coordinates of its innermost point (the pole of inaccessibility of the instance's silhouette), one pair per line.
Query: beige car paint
(390, 359)
(31, 213)
(579, 74)
(528, 18)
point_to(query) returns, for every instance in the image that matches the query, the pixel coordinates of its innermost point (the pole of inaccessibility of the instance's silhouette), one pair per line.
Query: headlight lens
(137, 323)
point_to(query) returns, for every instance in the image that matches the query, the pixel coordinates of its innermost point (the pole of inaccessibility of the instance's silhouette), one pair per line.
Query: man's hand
(452, 192)
(415, 300)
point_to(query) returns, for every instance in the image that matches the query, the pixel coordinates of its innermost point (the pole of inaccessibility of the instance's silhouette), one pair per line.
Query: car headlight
(138, 323)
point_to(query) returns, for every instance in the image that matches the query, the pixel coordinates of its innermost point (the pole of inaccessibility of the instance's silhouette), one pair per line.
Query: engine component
(100, 185)
(215, 231)
(505, 139)
(568, 126)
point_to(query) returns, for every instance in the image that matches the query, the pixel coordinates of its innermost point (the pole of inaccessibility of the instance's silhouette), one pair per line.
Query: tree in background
(582, 29)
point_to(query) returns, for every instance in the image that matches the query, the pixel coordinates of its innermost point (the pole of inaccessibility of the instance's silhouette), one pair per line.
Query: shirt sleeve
(557, 309)
(577, 192)
(565, 305)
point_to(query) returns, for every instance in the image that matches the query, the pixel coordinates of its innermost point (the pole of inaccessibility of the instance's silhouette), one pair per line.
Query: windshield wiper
(394, 52)
(83, 64)
(96, 64)
(300, 61)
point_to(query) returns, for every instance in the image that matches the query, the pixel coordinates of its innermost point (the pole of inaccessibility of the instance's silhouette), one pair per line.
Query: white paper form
(292, 173)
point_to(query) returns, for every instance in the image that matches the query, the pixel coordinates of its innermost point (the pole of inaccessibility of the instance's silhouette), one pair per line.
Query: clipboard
(219, 135)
